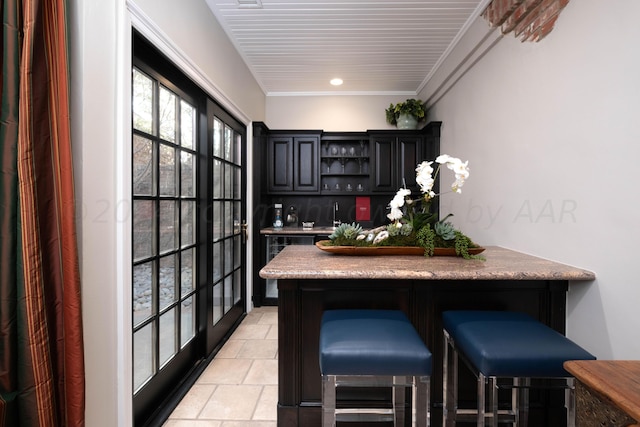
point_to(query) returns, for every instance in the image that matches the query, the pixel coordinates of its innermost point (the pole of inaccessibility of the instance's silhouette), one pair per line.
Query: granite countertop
(323, 231)
(309, 262)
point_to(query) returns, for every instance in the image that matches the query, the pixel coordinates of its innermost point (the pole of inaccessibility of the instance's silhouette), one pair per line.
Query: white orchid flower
(403, 192)
(395, 214)
(443, 158)
(423, 176)
(396, 202)
(399, 199)
(424, 168)
(425, 183)
(425, 180)
(460, 169)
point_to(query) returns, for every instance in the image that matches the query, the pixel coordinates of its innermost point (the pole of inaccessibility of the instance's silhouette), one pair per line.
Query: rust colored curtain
(41, 353)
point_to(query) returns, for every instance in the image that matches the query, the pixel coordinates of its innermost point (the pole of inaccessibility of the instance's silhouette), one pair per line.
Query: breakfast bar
(311, 280)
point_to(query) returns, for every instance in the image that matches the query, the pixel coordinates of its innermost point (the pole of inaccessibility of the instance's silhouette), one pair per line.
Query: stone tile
(191, 405)
(263, 372)
(249, 424)
(273, 333)
(251, 332)
(193, 423)
(253, 317)
(232, 402)
(239, 387)
(258, 349)
(269, 318)
(230, 349)
(225, 371)
(267, 408)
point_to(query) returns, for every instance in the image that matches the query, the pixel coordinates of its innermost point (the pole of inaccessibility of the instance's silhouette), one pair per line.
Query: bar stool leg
(421, 391)
(493, 400)
(522, 408)
(328, 401)
(450, 384)
(481, 400)
(399, 391)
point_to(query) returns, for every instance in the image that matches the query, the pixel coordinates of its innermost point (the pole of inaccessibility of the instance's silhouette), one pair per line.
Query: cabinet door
(409, 151)
(395, 161)
(383, 177)
(280, 164)
(306, 164)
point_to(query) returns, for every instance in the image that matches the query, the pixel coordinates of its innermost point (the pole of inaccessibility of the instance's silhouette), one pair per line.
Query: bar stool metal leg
(399, 392)
(450, 383)
(482, 385)
(329, 400)
(421, 390)
(522, 402)
(493, 402)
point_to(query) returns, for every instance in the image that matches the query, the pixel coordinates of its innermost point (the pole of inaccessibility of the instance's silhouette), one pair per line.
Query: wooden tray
(388, 250)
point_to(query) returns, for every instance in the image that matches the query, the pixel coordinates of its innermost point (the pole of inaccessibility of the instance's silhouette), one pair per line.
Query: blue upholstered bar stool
(376, 348)
(504, 345)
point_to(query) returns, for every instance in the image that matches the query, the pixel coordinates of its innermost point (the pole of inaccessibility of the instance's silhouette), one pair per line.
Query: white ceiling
(375, 46)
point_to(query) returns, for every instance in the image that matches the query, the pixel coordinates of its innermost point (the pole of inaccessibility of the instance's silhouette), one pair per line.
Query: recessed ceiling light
(336, 81)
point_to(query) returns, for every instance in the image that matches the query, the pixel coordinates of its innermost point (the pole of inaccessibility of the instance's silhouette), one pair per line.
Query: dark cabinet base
(301, 303)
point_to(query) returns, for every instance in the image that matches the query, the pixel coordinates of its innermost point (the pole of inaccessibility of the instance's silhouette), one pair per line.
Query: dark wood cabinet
(395, 158)
(280, 164)
(395, 155)
(306, 164)
(344, 163)
(293, 164)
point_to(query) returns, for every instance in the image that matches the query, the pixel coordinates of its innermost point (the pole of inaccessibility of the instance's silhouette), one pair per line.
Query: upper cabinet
(343, 163)
(395, 155)
(394, 159)
(293, 163)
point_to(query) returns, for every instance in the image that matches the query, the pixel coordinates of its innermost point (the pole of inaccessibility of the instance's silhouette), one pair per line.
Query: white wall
(193, 30)
(100, 37)
(330, 112)
(552, 136)
(94, 40)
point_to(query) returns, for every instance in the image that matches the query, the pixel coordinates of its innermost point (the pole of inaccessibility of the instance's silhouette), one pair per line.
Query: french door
(226, 291)
(188, 241)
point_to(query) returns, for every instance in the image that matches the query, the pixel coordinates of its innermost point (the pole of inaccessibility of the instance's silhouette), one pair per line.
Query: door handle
(245, 235)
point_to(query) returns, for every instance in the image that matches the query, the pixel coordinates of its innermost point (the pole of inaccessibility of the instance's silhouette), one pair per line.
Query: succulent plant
(399, 229)
(445, 230)
(346, 231)
(406, 229)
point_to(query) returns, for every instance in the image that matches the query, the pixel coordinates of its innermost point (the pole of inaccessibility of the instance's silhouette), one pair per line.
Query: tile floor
(240, 386)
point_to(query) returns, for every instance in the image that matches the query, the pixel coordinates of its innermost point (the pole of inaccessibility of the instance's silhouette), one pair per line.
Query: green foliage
(426, 237)
(413, 107)
(462, 245)
(445, 230)
(422, 214)
(399, 240)
(346, 231)
(405, 230)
